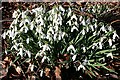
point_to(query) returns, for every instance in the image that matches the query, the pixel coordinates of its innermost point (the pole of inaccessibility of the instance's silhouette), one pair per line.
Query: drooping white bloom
(51, 30)
(41, 73)
(94, 45)
(43, 59)
(20, 52)
(15, 14)
(69, 12)
(103, 29)
(110, 42)
(32, 26)
(113, 46)
(74, 28)
(45, 47)
(32, 67)
(110, 55)
(83, 22)
(84, 49)
(15, 47)
(81, 67)
(69, 23)
(28, 53)
(23, 15)
(102, 38)
(91, 26)
(4, 35)
(80, 18)
(100, 45)
(59, 37)
(83, 31)
(27, 40)
(5, 51)
(95, 25)
(71, 47)
(63, 34)
(74, 57)
(115, 36)
(87, 29)
(11, 33)
(110, 28)
(61, 8)
(74, 17)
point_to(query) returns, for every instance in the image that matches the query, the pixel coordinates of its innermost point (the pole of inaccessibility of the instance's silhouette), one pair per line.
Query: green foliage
(49, 34)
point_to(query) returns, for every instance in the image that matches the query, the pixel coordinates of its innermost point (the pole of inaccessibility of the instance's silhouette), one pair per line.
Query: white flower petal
(100, 45)
(15, 14)
(74, 57)
(71, 47)
(27, 40)
(110, 55)
(110, 42)
(74, 28)
(43, 59)
(81, 66)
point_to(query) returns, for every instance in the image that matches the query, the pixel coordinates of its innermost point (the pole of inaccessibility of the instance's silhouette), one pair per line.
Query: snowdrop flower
(91, 26)
(15, 14)
(71, 47)
(76, 23)
(100, 45)
(83, 22)
(74, 28)
(69, 12)
(27, 40)
(110, 28)
(83, 31)
(51, 30)
(80, 18)
(4, 35)
(21, 24)
(41, 73)
(11, 34)
(115, 35)
(26, 29)
(27, 21)
(85, 62)
(29, 53)
(113, 46)
(102, 38)
(59, 37)
(87, 29)
(43, 59)
(74, 57)
(103, 29)
(84, 49)
(20, 52)
(45, 47)
(32, 25)
(5, 51)
(55, 37)
(95, 44)
(39, 29)
(23, 15)
(61, 8)
(32, 67)
(74, 17)
(81, 66)
(110, 55)
(69, 23)
(15, 47)
(95, 25)
(63, 34)
(110, 42)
